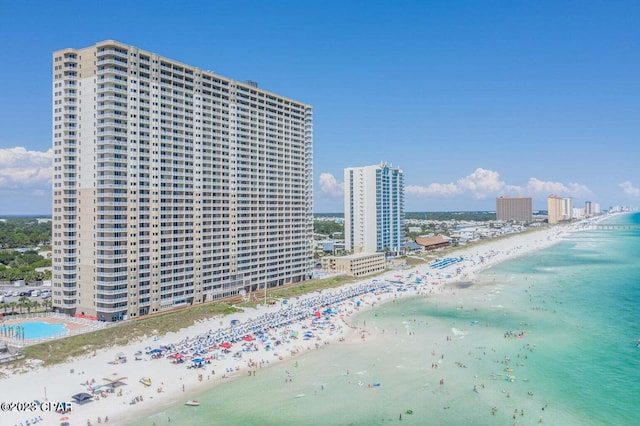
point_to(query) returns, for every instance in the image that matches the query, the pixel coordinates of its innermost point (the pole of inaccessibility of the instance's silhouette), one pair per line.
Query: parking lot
(13, 294)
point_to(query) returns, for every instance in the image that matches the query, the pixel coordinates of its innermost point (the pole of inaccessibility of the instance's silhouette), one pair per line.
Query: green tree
(23, 232)
(22, 266)
(32, 304)
(327, 227)
(23, 302)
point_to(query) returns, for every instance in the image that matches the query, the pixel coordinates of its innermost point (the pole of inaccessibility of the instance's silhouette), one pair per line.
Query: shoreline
(57, 383)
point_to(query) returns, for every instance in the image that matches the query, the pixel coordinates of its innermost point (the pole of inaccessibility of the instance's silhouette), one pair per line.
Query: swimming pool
(33, 330)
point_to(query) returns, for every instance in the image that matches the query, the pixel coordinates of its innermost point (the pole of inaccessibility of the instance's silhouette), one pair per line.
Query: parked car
(25, 293)
(15, 294)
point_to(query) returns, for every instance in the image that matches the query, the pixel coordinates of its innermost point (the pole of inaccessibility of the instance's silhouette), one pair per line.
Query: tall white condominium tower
(373, 209)
(172, 185)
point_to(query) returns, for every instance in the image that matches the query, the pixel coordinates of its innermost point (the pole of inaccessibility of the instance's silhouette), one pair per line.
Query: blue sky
(472, 99)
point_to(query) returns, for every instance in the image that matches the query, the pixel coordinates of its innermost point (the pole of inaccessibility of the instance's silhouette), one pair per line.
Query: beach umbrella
(197, 360)
(64, 418)
(225, 345)
(317, 314)
(247, 338)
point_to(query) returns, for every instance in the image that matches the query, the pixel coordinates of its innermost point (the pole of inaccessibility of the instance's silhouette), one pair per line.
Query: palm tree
(23, 302)
(47, 304)
(32, 304)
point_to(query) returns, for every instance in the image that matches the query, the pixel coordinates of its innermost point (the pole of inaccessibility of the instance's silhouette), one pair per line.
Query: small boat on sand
(145, 381)
(192, 403)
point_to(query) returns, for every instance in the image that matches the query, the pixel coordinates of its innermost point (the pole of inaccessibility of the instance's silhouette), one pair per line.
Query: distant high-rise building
(518, 209)
(591, 208)
(559, 209)
(374, 209)
(597, 209)
(588, 208)
(172, 185)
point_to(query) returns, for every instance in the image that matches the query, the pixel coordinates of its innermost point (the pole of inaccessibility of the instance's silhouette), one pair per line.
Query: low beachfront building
(412, 247)
(432, 243)
(355, 265)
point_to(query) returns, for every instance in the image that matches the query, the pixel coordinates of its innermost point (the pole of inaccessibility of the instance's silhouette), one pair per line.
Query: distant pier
(613, 227)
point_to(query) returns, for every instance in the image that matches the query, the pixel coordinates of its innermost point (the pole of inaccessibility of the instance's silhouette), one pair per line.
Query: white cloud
(629, 189)
(20, 169)
(330, 186)
(434, 190)
(483, 184)
(480, 184)
(537, 186)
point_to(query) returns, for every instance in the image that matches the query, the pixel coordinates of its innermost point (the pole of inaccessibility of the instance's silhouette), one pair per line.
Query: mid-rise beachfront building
(355, 265)
(516, 209)
(172, 185)
(374, 209)
(559, 209)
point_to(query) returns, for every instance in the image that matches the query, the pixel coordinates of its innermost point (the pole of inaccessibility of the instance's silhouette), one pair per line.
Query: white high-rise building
(172, 185)
(373, 209)
(591, 208)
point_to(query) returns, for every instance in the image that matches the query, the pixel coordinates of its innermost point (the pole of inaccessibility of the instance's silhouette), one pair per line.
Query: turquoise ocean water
(571, 317)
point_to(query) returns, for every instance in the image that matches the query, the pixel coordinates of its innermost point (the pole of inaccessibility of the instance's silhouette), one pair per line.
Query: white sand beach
(276, 333)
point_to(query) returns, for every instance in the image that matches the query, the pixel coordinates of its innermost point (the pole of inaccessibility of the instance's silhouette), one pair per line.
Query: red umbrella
(62, 419)
(317, 314)
(225, 345)
(247, 338)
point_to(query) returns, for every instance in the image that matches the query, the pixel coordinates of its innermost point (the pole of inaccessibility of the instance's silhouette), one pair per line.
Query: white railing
(90, 325)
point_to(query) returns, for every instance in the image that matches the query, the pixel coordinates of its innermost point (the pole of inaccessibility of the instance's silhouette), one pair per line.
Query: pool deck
(73, 325)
